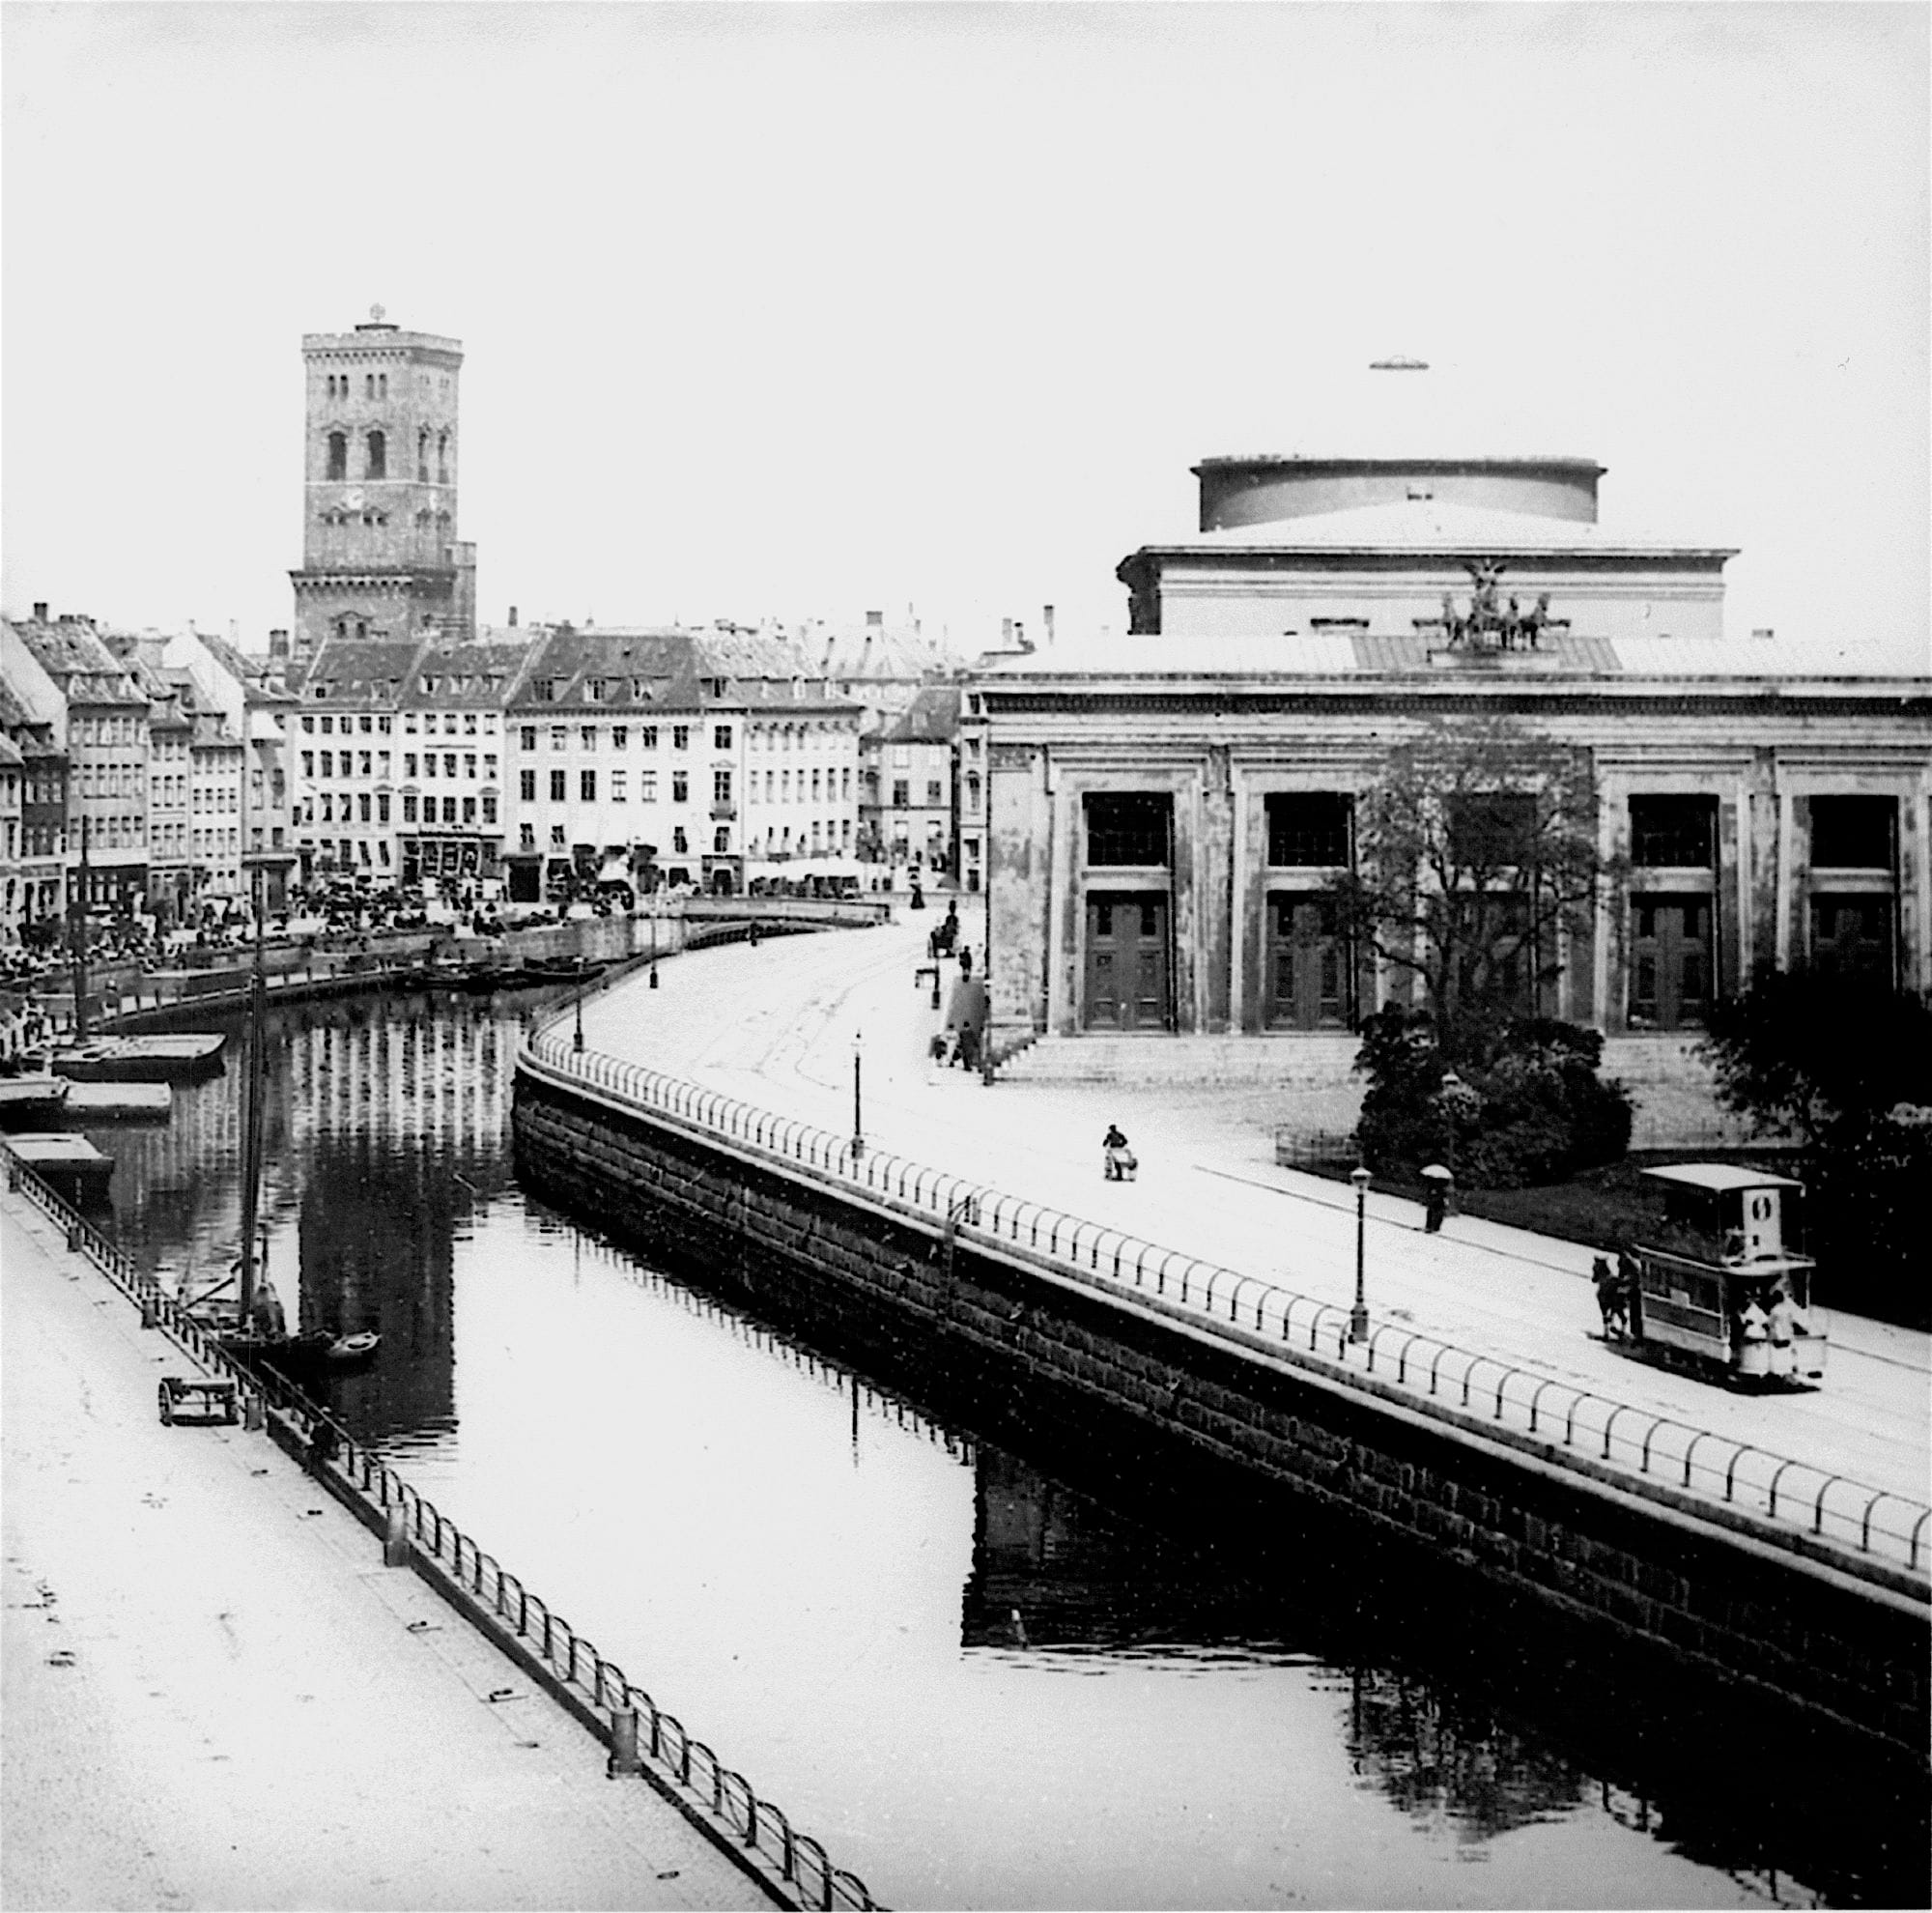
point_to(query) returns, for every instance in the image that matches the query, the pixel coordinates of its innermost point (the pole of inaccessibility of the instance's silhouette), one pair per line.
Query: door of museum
(1127, 962)
(1670, 960)
(1307, 964)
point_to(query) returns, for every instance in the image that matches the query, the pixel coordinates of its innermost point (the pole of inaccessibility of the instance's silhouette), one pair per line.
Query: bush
(1535, 1111)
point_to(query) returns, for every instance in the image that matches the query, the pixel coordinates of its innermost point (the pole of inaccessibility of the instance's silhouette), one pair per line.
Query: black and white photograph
(965, 954)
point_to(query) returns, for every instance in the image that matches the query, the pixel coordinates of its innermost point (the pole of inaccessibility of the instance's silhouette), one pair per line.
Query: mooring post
(624, 1761)
(149, 1316)
(252, 1417)
(396, 1536)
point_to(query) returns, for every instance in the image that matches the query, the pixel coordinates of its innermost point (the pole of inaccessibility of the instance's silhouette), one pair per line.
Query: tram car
(1724, 1287)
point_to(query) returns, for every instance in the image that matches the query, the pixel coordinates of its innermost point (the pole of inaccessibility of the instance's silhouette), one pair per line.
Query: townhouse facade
(909, 779)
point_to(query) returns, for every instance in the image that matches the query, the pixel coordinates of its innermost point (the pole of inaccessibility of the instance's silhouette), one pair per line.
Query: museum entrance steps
(1324, 1061)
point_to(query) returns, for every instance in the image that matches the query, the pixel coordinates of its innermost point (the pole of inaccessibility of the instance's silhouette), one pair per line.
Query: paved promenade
(215, 1695)
(774, 1026)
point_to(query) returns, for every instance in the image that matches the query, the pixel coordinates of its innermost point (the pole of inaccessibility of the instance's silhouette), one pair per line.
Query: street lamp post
(576, 1037)
(1358, 1316)
(857, 1104)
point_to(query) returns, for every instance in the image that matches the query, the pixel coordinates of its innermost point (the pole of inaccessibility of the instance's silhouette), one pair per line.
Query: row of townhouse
(548, 759)
(152, 763)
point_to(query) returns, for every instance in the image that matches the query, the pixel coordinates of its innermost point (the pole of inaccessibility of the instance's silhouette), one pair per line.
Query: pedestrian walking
(966, 1013)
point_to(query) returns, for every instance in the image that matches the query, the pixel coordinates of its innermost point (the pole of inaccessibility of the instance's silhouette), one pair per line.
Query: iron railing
(688, 1763)
(1572, 1426)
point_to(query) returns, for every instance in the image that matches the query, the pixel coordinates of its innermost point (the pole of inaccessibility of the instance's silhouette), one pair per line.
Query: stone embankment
(1778, 1582)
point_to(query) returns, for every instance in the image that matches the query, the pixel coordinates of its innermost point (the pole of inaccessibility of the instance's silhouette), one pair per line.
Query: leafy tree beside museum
(1475, 857)
(1476, 861)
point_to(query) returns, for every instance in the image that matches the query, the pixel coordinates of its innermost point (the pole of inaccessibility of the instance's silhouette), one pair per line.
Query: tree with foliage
(1534, 1109)
(1475, 854)
(1843, 1065)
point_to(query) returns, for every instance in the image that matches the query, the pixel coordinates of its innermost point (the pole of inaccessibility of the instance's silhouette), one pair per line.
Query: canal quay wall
(1193, 1382)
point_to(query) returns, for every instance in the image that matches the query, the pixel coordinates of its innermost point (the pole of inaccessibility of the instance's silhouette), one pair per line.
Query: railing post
(624, 1761)
(396, 1536)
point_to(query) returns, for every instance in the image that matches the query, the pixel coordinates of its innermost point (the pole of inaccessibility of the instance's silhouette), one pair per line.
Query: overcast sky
(803, 310)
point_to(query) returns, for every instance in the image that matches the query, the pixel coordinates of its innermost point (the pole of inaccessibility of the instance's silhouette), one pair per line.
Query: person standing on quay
(966, 1013)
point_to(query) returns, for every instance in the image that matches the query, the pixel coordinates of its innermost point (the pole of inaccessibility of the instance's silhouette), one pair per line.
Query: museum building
(1166, 808)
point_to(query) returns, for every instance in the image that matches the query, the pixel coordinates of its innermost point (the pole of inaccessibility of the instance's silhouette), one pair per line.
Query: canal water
(975, 1683)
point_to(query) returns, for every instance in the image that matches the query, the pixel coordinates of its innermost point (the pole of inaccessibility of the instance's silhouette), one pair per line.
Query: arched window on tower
(368, 385)
(443, 458)
(382, 384)
(378, 465)
(338, 454)
(422, 455)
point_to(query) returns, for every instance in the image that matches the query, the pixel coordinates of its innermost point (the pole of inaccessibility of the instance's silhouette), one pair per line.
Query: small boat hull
(143, 1059)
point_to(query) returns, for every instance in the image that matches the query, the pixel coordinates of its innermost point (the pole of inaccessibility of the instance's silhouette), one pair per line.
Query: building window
(680, 737)
(721, 737)
(408, 764)
(527, 837)
(619, 786)
(543, 689)
(338, 459)
(593, 690)
(586, 786)
(679, 844)
(329, 763)
(1122, 828)
(408, 808)
(489, 809)
(648, 737)
(721, 787)
(469, 765)
(381, 806)
(527, 786)
(1851, 936)
(720, 841)
(469, 810)
(1493, 829)
(557, 837)
(648, 787)
(589, 736)
(559, 790)
(935, 791)
(377, 462)
(1852, 833)
(422, 454)
(1674, 833)
(443, 458)
(621, 737)
(902, 795)
(1306, 829)
(526, 736)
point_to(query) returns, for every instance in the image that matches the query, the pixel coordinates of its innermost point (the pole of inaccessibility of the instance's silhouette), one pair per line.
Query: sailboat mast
(251, 1167)
(78, 940)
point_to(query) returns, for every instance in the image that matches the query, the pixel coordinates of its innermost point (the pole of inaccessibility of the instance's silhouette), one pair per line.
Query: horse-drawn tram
(1724, 1287)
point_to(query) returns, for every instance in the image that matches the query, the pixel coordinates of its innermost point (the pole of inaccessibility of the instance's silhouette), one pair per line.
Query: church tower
(379, 550)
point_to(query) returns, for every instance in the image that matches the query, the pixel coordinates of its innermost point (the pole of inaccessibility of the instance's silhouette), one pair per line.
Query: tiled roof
(360, 669)
(9, 754)
(71, 652)
(932, 716)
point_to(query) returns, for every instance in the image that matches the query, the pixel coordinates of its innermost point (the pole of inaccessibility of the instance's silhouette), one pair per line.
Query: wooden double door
(1671, 950)
(1307, 963)
(1127, 961)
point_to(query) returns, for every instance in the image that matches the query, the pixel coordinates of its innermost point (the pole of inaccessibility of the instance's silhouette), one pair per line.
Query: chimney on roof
(513, 618)
(279, 643)
(1764, 631)
(40, 610)
(1020, 634)
(1006, 634)
(875, 620)
(1046, 619)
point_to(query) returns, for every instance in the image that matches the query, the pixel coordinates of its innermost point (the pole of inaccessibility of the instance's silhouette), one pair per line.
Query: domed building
(1167, 809)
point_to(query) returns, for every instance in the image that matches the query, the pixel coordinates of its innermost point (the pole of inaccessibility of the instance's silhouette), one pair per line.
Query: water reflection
(982, 1683)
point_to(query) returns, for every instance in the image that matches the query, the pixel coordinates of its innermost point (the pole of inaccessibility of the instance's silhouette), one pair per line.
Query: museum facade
(1167, 809)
